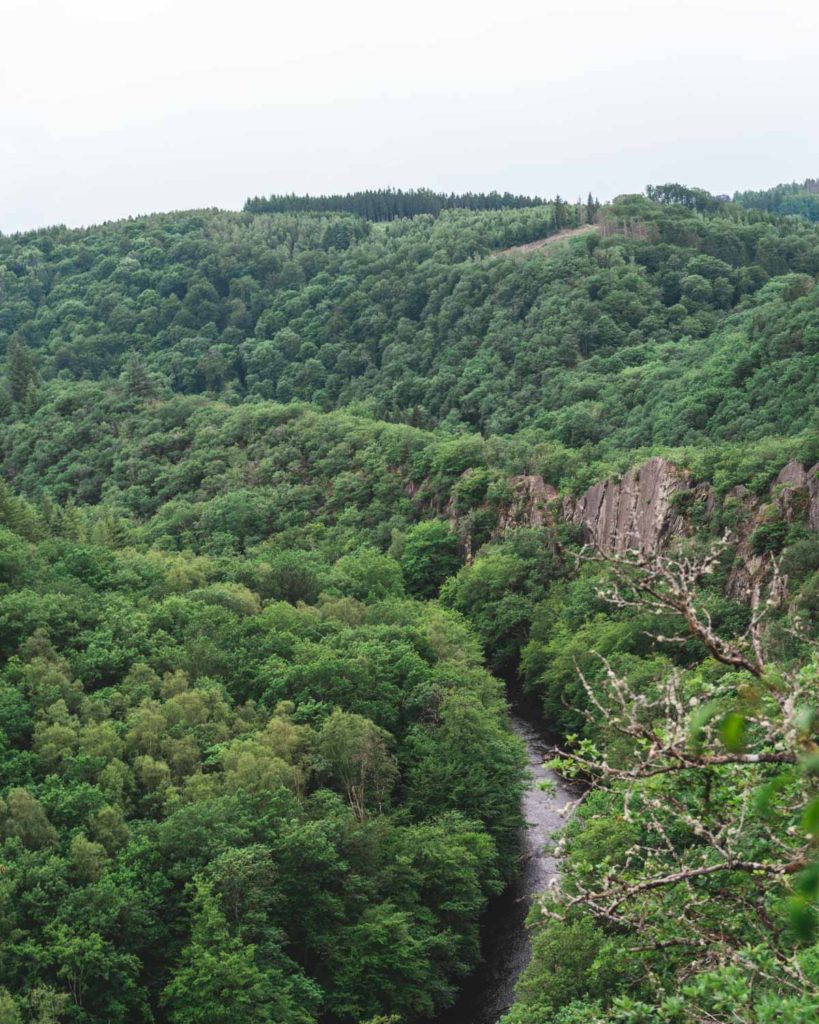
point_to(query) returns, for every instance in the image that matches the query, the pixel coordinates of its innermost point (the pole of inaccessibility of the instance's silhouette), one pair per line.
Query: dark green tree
(220, 979)
(429, 556)
(20, 369)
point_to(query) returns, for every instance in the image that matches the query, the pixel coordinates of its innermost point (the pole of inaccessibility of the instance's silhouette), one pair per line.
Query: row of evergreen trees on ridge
(391, 203)
(795, 199)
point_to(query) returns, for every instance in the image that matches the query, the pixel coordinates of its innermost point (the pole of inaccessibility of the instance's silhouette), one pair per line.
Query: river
(490, 991)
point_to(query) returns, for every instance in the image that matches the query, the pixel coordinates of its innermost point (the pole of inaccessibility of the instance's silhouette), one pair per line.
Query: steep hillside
(664, 332)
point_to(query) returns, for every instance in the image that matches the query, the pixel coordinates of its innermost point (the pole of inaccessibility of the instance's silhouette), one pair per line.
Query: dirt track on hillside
(545, 243)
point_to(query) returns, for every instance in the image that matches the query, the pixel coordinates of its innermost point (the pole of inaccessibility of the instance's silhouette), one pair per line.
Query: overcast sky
(118, 107)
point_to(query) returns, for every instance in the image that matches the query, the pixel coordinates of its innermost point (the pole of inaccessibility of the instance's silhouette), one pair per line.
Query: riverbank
(490, 991)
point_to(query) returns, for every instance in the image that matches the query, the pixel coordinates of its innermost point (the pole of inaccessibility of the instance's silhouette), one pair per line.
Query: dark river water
(505, 942)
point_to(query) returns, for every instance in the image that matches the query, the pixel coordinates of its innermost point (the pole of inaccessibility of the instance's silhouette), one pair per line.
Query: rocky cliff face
(651, 505)
(638, 512)
(794, 498)
(529, 505)
(796, 492)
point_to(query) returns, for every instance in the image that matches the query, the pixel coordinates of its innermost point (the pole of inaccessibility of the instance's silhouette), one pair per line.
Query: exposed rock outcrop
(651, 505)
(530, 503)
(794, 498)
(747, 567)
(638, 512)
(813, 491)
(796, 493)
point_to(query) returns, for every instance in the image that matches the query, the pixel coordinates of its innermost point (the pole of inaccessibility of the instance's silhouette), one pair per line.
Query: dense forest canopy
(615, 342)
(267, 558)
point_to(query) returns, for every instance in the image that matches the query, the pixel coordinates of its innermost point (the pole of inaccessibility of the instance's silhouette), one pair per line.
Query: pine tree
(137, 379)
(20, 369)
(17, 515)
(49, 514)
(560, 213)
(72, 525)
(109, 530)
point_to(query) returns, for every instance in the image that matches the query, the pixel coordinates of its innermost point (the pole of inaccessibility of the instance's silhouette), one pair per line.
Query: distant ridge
(390, 203)
(799, 199)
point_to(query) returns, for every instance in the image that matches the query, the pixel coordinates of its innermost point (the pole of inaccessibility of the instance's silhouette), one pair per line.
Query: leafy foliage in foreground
(690, 880)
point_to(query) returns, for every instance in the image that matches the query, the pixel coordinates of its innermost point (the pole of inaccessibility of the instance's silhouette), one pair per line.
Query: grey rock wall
(638, 512)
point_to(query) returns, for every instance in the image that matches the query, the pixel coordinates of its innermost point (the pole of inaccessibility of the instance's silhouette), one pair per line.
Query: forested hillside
(798, 199)
(288, 498)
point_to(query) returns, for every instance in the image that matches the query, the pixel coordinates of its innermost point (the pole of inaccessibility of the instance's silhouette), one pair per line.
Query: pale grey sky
(118, 107)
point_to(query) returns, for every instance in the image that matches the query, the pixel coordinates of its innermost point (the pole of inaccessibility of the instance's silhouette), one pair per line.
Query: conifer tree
(20, 369)
(72, 522)
(49, 514)
(137, 378)
(109, 530)
(17, 515)
(559, 213)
